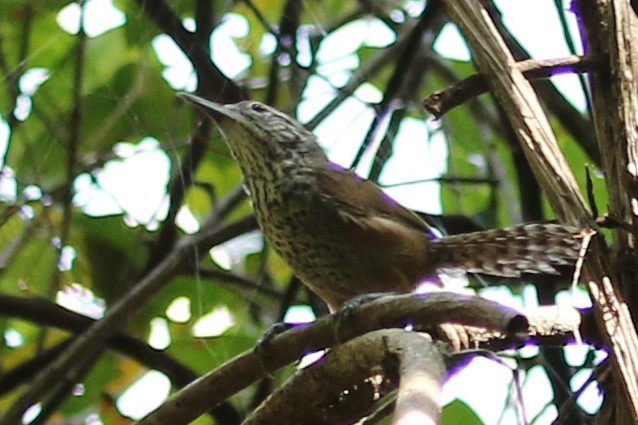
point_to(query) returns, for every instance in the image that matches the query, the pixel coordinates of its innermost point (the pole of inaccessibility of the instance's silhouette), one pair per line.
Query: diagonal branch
(442, 101)
(45, 313)
(214, 84)
(338, 389)
(88, 345)
(553, 173)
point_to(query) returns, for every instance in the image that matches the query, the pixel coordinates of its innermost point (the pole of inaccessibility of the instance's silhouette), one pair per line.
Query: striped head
(261, 137)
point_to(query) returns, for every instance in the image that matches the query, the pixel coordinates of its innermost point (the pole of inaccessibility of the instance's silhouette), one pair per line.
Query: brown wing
(362, 198)
(382, 246)
(369, 221)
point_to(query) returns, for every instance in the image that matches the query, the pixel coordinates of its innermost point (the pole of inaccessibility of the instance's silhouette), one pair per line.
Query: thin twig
(438, 103)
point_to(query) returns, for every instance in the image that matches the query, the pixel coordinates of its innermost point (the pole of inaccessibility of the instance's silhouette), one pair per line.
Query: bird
(342, 235)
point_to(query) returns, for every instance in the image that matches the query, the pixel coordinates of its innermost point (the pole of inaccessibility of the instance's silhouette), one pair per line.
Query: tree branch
(213, 84)
(88, 345)
(442, 101)
(487, 323)
(45, 313)
(538, 142)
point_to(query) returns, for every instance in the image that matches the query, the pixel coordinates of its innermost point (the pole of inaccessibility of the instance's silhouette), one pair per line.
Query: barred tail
(510, 252)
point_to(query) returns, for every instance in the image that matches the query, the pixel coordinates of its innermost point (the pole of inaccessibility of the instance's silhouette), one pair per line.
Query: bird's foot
(344, 314)
(262, 347)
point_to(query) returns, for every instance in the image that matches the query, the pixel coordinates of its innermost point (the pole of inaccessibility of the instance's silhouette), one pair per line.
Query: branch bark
(484, 323)
(442, 101)
(535, 135)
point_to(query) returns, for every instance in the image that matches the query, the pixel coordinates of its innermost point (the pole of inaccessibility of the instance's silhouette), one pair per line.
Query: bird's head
(258, 134)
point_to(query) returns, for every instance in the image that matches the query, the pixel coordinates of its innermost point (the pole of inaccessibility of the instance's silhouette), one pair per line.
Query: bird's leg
(344, 313)
(262, 347)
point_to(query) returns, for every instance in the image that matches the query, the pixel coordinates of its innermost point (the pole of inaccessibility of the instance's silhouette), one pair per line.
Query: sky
(122, 186)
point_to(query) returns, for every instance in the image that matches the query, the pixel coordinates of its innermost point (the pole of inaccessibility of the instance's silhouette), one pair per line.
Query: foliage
(86, 215)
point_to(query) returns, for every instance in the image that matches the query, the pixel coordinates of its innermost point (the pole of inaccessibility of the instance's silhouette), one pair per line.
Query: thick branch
(552, 171)
(482, 318)
(421, 374)
(338, 389)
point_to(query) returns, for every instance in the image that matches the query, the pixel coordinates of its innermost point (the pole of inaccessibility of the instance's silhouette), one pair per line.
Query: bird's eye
(258, 107)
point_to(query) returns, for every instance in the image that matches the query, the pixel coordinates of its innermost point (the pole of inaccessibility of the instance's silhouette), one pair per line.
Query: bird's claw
(343, 315)
(262, 347)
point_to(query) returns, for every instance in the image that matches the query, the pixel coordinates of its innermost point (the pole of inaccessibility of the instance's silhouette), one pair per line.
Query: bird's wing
(348, 194)
(388, 243)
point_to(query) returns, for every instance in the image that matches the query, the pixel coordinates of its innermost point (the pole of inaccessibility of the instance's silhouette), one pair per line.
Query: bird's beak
(217, 111)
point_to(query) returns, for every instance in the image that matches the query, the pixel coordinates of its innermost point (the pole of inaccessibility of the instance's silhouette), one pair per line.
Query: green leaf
(111, 254)
(459, 413)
